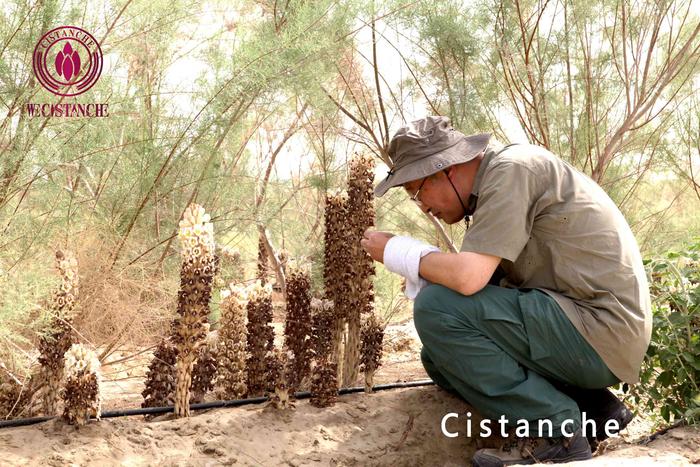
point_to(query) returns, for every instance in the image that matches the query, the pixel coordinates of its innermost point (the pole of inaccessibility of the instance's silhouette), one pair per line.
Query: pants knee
(435, 303)
(428, 297)
(425, 308)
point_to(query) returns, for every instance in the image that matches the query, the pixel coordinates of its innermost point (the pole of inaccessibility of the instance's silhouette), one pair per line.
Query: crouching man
(545, 305)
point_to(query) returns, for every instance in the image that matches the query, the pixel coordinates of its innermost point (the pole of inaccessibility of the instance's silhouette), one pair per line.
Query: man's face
(437, 196)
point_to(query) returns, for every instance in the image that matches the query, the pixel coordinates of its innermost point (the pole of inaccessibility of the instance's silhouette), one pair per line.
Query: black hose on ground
(215, 404)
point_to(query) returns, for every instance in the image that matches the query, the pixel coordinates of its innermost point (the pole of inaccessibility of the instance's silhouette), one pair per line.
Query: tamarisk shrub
(371, 354)
(261, 337)
(360, 299)
(230, 267)
(297, 325)
(324, 376)
(199, 265)
(59, 337)
(284, 260)
(81, 395)
(232, 353)
(263, 263)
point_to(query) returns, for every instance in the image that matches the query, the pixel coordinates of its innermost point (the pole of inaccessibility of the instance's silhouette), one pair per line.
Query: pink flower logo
(60, 68)
(67, 62)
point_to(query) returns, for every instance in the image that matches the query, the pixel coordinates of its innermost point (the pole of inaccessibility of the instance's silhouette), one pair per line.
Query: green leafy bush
(671, 370)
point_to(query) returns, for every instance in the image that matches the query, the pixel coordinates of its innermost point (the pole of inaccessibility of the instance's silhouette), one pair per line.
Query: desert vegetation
(228, 188)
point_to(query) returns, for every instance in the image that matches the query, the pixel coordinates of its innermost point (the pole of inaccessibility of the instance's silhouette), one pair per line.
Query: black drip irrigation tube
(215, 404)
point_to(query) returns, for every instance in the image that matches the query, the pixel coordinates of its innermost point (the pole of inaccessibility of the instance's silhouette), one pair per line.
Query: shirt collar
(488, 155)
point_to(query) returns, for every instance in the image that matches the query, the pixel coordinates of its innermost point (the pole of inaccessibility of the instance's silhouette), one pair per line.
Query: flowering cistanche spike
(324, 378)
(261, 337)
(14, 396)
(297, 326)
(371, 353)
(281, 370)
(233, 336)
(160, 378)
(81, 394)
(204, 371)
(199, 264)
(336, 269)
(57, 340)
(360, 216)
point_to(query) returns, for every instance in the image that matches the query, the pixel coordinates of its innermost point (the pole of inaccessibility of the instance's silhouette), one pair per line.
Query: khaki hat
(425, 147)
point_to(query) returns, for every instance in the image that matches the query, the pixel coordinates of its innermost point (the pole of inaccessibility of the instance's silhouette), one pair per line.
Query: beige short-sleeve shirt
(556, 230)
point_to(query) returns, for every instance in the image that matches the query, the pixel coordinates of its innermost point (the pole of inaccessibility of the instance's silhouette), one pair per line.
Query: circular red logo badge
(67, 61)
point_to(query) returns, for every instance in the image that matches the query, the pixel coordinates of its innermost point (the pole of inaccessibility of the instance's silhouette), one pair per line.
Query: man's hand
(374, 243)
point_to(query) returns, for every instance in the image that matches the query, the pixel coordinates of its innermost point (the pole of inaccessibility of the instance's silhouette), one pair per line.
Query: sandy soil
(397, 427)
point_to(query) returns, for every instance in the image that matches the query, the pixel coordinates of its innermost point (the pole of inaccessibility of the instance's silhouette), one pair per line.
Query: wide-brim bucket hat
(425, 147)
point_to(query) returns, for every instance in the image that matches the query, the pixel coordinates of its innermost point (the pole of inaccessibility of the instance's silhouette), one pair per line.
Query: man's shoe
(613, 410)
(518, 451)
(600, 405)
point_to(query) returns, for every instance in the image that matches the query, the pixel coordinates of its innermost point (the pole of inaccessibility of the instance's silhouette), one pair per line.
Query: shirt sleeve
(509, 200)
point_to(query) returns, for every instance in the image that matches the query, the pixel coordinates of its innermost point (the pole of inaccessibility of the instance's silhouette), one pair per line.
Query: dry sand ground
(389, 428)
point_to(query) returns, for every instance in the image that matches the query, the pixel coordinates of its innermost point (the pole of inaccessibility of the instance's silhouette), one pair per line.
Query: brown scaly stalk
(231, 376)
(336, 273)
(199, 265)
(297, 326)
(261, 337)
(360, 217)
(371, 354)
(81, 395)
(324, 374)
(54, 344)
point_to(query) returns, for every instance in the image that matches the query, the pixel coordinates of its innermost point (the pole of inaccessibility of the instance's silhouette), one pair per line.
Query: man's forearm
(465, 272)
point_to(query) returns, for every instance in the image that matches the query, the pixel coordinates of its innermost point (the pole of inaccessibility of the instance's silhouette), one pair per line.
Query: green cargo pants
(501, 350)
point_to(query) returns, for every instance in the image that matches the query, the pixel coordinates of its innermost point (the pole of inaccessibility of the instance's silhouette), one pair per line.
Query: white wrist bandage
(402, 255)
